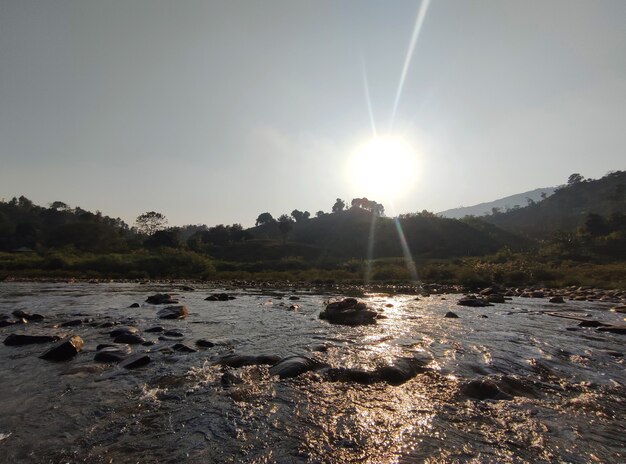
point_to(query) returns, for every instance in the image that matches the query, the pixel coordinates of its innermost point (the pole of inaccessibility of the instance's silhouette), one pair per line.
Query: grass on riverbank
(510, 269)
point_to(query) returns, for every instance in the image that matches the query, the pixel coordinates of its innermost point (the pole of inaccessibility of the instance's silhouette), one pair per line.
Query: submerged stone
(241, 360)
(28, 316)
(129, 339)
(349, 311)
(21, 340)
(205, 343)
(139, 360)
(293, 366)
(110, 355)
(173, 312)
(161, 298)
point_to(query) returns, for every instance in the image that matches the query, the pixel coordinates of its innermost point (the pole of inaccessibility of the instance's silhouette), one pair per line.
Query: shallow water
(567, 399)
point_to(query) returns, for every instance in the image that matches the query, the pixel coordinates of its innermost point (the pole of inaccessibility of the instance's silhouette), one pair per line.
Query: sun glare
(383, 168)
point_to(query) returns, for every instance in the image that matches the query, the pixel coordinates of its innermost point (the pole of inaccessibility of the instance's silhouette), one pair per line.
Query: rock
(591, 324)
(556, 299)
(293, 366)
(294, 307)
(294, 298)
(240, 360)
(134, 305)
(129, 339)
(28, 316)
(483, 390)
(173, 333)
(618, 329)
(495, 298)
(187, 288)
(161, 298)
(123, 330)
(219, 297)
(173, 312)
(110, 355)
(537, 294)
(64, 349)
(473, 302)
(139, 360)
(183, 348)
(73, 323)
(403, 370)
(21, 340)
(349, 312)
(7, 322)
(157, 329)
(619, 309)
(205, 343)
(106, 325)
(451, 315)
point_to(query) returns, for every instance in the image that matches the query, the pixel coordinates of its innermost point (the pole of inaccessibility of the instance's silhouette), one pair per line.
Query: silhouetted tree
(150, 222)
(320, 214)
(339, 205)
(163, 238)
(300, 216)
(285, 224)
(59, 205)
(264, 218)
(575, 179)
(595, 225)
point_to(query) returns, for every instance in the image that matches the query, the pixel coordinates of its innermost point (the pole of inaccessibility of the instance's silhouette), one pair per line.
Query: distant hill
(514, 201)
(568, 208)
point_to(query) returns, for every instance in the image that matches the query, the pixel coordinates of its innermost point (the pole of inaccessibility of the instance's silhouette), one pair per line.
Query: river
(565, 398)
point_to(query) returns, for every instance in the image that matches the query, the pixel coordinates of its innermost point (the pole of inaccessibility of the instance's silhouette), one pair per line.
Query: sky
(216, 111)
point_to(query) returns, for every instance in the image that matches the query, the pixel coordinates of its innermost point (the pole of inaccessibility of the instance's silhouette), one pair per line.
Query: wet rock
(205, 343)
(403, 370)
(228, 378)
(619, 309)
(28, 316)
(134, 305)
(219, 297)
(157, 329)
(451, 315)
(73, 323)
(110, 355)
(105, 345)
(139, 360)
(106, 325)
(241, 360)
(556, 299)
(161, 298)
(173, 312)
(294, 307)
(349, 311)
(618, 329)
(21, 340)
(129, 339)
(473, 302)
(537, 294)
(294, 298)
(495, 298)
(148, 343)
(64, 349)
(187, 288)
(293, 366)
(7, 322)
(591, 324)
(483, 389)
(173, 333)
(182, 348)
(123, 330)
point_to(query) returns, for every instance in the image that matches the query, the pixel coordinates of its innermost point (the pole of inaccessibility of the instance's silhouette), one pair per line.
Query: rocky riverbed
(163, 372)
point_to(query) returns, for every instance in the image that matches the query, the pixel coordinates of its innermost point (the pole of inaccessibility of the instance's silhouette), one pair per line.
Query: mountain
(568, 208)
(514, 201)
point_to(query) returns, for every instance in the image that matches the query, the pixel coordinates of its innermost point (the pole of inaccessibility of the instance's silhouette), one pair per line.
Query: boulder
(293, 366)
(21, 340)
(161, 298)
(556, 299)
(173, 333)
(139, 360)
(205, 343)
(157, 329)
(473, 302)
(129, 339)
(64, 349)
(183, 348)
(618, 329)
(241, 360)
(451, 315)
(403, 370)
(495, 298)
(173, 312)
(72, 323)
(28, 316)
(123, 330)
(219, 297)
(349, 311)
(294, 298)
(134, 305)
(483, 390)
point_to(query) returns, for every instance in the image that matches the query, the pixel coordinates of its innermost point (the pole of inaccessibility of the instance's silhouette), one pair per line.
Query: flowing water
(566, 399)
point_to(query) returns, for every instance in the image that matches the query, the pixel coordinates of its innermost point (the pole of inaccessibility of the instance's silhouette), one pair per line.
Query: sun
(383, 168)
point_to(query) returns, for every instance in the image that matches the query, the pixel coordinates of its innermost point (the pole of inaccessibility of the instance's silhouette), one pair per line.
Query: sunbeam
(368, 99)
(421, 15)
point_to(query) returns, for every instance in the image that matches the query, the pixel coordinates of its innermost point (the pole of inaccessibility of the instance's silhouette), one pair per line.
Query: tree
(264, 218)
(300, 216)
(339, 205)
(59, 205)
(320, 214)
(163, 238)
(543, 195)
(285, 224)
(575, 179)
(150, 222)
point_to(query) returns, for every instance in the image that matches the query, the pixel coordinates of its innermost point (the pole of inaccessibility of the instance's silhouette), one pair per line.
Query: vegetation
(575, 237)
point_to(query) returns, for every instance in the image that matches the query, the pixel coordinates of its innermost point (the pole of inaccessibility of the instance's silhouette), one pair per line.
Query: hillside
(568, 208)
(503, 204)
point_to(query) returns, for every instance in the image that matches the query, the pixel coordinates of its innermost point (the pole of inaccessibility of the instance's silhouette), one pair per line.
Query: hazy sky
(215, 111)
